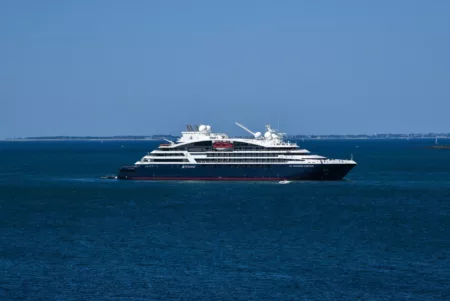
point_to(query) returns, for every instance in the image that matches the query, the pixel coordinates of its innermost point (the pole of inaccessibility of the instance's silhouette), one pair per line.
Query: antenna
(244, 128)
(257, 135)
(171, 142)
(274, 134)
(189, 128)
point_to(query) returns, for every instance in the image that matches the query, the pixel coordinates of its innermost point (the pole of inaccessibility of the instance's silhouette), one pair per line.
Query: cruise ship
(201, 154)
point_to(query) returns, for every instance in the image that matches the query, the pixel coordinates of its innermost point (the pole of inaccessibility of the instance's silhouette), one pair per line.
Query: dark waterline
(66, 234)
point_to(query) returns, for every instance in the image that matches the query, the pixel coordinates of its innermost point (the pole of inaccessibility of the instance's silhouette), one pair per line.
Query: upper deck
(203, 136)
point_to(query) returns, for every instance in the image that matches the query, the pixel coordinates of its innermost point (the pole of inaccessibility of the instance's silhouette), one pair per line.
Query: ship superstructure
(200, 154)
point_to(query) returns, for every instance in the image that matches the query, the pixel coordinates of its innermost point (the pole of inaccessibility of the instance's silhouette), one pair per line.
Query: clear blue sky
(92, 67)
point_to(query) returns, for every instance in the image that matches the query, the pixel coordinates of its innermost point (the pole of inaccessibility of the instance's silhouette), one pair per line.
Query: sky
(92, 67)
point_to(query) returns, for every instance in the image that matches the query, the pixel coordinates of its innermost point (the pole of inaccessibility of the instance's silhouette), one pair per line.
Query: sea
(383, 233)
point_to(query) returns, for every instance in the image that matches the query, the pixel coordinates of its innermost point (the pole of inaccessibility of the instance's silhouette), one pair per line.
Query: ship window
(170, 160)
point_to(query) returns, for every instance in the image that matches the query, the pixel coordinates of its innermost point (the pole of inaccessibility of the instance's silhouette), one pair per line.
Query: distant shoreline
(91, 138)
(80, 139)
(312, 137)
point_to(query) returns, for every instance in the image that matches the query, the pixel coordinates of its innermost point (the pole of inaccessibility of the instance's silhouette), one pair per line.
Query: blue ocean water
(66, 234)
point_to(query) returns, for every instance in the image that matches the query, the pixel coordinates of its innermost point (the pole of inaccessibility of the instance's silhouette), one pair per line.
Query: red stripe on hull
(204, 179)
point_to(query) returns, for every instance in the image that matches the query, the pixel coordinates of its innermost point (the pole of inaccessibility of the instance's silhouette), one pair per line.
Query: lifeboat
(222, 145)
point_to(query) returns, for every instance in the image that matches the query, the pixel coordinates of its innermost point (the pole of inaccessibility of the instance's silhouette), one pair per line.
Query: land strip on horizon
(295, 137)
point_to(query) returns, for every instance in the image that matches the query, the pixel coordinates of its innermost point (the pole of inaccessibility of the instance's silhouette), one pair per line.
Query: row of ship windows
(266, 166)
(218, 160)
(242, 160)
(224, 154)
(242, 155)
(205, 149)
(246, 166)
(165, 160)
(166, 155)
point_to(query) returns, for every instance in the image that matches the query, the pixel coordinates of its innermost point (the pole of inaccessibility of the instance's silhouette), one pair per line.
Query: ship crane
(256, 135)
(170, 141)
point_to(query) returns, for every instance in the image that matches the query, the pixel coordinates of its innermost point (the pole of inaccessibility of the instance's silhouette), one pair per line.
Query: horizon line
(155, 136)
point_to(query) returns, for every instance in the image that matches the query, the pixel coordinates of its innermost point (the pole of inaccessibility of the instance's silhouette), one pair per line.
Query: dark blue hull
(202, 172)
